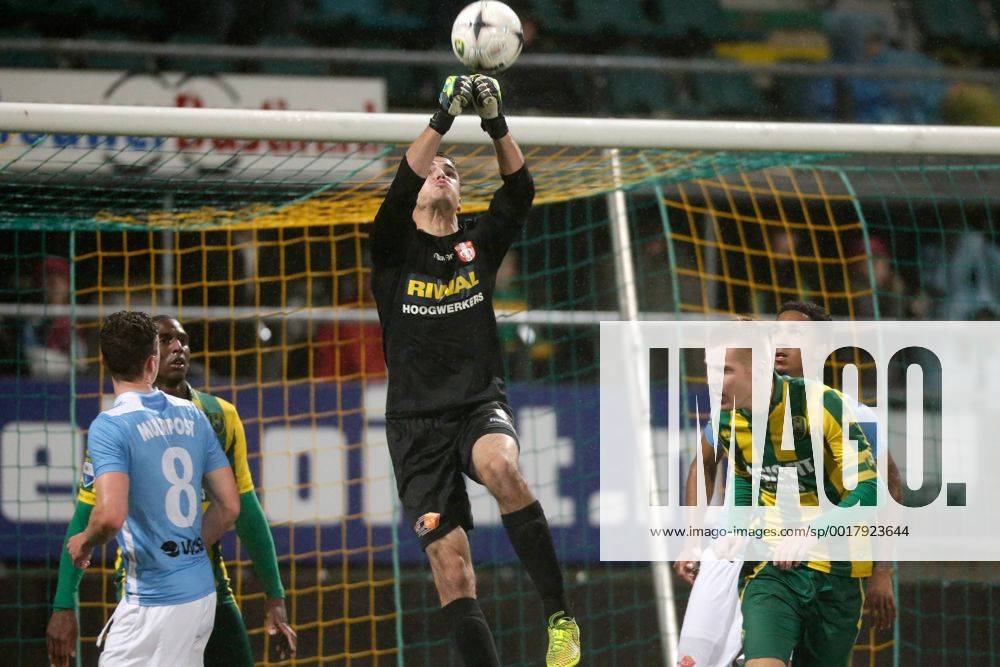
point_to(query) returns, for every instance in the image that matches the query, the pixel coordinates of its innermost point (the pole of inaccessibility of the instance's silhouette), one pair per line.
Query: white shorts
(712, 633)
(162, 636)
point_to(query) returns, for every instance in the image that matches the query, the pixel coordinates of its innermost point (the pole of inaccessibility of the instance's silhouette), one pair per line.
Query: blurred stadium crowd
(880, 34)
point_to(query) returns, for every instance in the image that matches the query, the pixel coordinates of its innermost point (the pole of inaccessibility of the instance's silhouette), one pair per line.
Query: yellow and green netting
(262, 254)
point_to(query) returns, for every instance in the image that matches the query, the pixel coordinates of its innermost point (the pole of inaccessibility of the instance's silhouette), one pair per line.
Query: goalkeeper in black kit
(446, 412)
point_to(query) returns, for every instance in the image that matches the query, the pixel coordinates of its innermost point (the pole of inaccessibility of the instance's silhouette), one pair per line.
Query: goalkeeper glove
(456, 94)
(486, 96)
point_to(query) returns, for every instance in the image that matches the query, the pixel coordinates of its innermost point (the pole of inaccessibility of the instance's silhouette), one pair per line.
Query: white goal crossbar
(529, 130)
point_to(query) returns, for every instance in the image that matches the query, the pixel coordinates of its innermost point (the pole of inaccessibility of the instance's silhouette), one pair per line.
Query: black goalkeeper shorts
(429, 455)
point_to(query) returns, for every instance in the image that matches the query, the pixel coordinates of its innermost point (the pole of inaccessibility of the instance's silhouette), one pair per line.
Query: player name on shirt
(163, 427)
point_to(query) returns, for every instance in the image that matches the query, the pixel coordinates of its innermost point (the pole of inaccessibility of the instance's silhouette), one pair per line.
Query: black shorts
(429, 455)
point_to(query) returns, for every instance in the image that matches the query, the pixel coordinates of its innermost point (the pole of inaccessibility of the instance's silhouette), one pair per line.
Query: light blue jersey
(165, 445)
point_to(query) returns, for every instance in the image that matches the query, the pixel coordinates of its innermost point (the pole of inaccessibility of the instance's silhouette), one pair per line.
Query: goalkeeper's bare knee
(495, 460)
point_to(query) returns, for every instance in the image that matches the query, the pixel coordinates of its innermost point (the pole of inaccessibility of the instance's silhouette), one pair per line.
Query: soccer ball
(487, 36)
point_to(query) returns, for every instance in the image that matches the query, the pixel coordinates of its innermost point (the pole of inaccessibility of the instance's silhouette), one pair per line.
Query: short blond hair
(742, 355)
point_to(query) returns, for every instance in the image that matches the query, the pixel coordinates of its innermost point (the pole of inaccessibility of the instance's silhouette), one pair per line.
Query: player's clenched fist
(79, 550)
(489, 105)
(60, 636)
(487, 95)
(456, 94)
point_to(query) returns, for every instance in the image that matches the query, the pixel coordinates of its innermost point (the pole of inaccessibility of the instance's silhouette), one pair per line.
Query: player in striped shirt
(152, 456)
(880, 596)
(710, 635)
(812, 608)
(229, 643)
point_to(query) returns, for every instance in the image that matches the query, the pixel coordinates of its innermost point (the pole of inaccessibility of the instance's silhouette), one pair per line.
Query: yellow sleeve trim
(236, 447)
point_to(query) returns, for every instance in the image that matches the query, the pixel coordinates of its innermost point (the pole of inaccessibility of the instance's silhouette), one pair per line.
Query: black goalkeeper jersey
(435, 297)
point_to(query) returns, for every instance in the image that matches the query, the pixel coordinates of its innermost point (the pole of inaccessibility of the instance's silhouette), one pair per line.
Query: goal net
(252, 229)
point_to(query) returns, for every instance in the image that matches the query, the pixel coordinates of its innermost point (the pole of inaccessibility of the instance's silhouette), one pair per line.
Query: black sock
(470, 633)
(529, 534)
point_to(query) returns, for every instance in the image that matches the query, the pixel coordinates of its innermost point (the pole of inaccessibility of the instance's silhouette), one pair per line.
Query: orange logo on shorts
(427, 523)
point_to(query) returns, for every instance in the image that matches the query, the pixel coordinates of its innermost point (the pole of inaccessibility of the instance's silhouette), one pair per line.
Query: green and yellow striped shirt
(791, 394)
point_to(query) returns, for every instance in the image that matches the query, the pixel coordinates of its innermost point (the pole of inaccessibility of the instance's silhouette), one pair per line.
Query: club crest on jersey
(465, 251)
(218, 425)
(427, 523)
(799, 427)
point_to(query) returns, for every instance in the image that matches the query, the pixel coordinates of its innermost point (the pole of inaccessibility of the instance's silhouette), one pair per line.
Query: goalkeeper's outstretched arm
(421, 152)
(456, 95)
(489, 104)
(509, 155)
(393, 223)
(512, 202)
